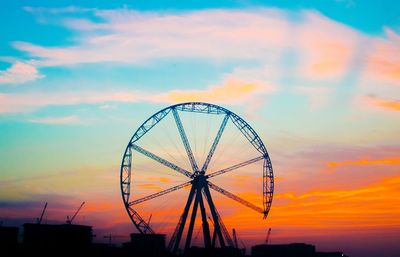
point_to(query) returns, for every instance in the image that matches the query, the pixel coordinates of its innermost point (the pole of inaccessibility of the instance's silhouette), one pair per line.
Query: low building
(8, 236)
(147, 244)
(283, 250)
(330, 254)
(64, 236)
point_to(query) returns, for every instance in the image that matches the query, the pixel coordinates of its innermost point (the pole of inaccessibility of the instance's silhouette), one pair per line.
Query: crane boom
(69, 221)
(41, 216)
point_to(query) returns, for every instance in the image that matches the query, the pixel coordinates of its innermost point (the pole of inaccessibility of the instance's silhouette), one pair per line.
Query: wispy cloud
(388, 104)
(365, 161)
(19, 72)
(230, 92)
(130, 36)
(323, 51)
(72, 119)
(56, 11)
(340, 208)
(27, 102)
(383, 59)
(355, 165)
(324, 47)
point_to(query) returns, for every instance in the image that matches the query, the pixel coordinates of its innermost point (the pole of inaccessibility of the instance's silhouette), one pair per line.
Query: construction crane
(236, 244)
(268, 235)
(39, 220)
(224, 232)
(69, 221)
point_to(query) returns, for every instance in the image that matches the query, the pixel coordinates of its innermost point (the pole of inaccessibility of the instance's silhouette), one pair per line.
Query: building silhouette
(290, 250)
(77, 240)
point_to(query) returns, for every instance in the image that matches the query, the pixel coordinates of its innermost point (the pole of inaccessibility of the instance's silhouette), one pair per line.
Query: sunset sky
(318, 80)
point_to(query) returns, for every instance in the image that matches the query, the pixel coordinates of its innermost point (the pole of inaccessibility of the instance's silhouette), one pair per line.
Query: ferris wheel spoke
(234, 167)
(185, 140)
(215, 143)
(235, 197)
(161, 160)
(155, 195)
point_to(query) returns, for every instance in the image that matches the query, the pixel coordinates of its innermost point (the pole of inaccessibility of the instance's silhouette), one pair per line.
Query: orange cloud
(329, 59)
(393, 105)
(158, 179)
(231, 91)
(149, 186)
(388, 161)
(366, 161)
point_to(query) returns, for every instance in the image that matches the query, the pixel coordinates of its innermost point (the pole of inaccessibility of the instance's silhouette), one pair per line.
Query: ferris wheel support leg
(214, 214)
(214, 238)
(192, 221)
(183, 219)
(206, 228)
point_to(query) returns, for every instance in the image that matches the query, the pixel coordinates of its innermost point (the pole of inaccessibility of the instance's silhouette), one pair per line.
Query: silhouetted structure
(76, 240)
(8, 236)
(283, 250)
(199, 197)
(330, 254)
(213, 252)
(8, 240)
(147, 244)
(291, 250)
(47, 239)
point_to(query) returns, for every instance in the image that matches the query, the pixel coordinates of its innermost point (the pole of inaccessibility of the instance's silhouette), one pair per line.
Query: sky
(319, 81)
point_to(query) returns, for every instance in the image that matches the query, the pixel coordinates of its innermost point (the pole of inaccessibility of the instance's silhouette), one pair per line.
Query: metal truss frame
(199, 182)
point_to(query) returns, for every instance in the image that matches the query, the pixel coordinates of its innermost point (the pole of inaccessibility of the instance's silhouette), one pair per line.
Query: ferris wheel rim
(268, 182)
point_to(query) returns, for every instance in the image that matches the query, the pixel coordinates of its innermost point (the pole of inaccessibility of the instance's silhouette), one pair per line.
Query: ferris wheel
(188, 147)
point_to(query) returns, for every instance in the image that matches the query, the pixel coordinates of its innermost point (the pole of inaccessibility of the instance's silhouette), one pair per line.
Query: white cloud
(127, 36)
(19, 72)
(57, 120)
(27, 102)
(231, 91)
(324, 47)
(321, 49)
(67, 9)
